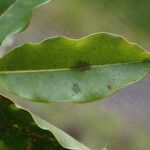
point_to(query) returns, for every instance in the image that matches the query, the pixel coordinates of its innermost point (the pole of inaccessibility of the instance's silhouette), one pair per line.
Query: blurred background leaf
(122, 121)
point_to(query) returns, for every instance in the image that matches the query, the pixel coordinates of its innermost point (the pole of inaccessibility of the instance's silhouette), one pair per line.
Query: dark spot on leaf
(109, 86)
(81, 66)
(76, 89)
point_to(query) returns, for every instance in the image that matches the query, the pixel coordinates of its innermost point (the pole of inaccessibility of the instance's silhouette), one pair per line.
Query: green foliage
(19, 131)
(88, 69)
(17, 17)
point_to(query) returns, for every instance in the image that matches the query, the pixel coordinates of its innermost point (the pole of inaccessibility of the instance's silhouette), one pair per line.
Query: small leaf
(63, 69)
(15, 15)
(19, 131)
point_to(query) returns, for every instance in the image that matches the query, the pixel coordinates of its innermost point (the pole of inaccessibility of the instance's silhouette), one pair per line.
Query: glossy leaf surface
(15, 15)
(63, 69)
(19, 131)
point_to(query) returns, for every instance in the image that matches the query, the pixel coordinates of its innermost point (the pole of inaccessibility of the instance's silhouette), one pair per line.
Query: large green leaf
(63, 69)
(18, 131)
(16, 16)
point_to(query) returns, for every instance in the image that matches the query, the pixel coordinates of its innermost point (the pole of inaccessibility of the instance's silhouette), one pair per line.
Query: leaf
(5, 4)
(16, 16)
(63, 69)
(19, 131)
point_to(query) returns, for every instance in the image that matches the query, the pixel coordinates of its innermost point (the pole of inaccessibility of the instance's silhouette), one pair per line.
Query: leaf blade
(88, 69)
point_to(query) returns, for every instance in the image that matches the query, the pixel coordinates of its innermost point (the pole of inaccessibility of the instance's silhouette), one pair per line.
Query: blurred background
(121, 121)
